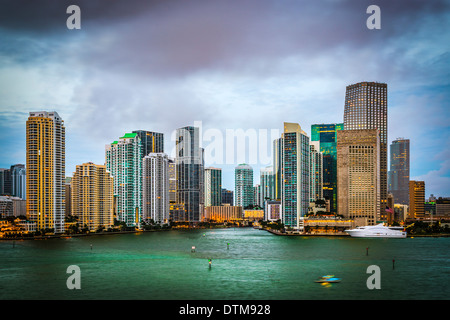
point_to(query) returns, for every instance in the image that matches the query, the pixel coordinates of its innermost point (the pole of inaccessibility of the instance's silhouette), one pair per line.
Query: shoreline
(76, 235)
(343, 234)
(334, 234)
(274, 232)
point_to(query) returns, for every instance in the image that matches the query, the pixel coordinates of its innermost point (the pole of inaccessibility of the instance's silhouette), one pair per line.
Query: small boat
(328, 279)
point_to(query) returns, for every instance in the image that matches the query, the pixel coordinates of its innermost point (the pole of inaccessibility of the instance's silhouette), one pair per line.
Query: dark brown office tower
(366, 108)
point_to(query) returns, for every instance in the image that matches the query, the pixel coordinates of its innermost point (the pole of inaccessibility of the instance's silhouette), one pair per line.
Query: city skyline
(256, 73)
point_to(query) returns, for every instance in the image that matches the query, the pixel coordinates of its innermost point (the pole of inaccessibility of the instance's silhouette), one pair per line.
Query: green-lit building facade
(243, 180)
(124, 162)
(326, 135)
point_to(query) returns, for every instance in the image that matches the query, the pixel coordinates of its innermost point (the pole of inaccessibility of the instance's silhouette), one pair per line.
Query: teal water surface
(247, 264)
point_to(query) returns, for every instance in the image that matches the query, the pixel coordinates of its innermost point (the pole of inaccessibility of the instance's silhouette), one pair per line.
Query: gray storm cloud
(160, 65)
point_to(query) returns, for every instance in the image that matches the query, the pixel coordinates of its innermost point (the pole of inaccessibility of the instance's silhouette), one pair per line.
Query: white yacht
(377, 231)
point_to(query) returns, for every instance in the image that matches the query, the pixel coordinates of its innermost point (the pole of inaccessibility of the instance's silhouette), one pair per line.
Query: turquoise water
(256, 265)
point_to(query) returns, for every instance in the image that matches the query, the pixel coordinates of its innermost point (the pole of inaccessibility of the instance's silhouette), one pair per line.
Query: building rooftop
(129, 135)
(244, 166)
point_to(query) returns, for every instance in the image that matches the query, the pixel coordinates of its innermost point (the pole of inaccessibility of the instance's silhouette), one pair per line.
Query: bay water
(246, 264)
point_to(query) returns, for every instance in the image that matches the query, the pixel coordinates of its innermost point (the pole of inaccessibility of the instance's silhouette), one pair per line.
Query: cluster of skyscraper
(138, 184)
(344, 164)
(13, 181)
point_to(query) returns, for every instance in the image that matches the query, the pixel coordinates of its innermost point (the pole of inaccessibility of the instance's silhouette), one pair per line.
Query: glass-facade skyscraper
(152, 142)
(398, 178)
(18, 181)
(5, 182)
(243, 180)
(267, 182)
(277, 166)
(366, 108)
(13, 181)
(295, 176)
(189, 167)
(326, 135)
(227, 197)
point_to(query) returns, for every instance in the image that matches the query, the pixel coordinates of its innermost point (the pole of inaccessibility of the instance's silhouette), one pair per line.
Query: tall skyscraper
(2, 181)
(190, 166)
(152, 142)
(416, 198)
(277, 166)
(315, 171)
(267, 181)
(358, 182)
(213, 187)
(92, 196)
(19, 181)
(399, 171)
(155, 184)
(45, 136)
(243, 180)
(5, 182)
(366, 108)
(202, 181)
(326, 135)
(295, 178)
(68, 196)
(257, 200)
(227, 197)
(124, 161)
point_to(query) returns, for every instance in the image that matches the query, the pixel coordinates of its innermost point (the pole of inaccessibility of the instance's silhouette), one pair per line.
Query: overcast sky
(229, 65)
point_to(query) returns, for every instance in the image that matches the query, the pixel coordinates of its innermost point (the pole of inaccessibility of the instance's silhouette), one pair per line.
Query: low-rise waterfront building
(6, 207)
(253, 215)
(272, 210)
(327, 224)
(223, 213)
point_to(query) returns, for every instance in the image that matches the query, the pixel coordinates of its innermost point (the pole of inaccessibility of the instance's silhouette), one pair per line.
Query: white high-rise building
(295, 176)
(257, 195)
(155, 191)
(267, 179)
(213, 187)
